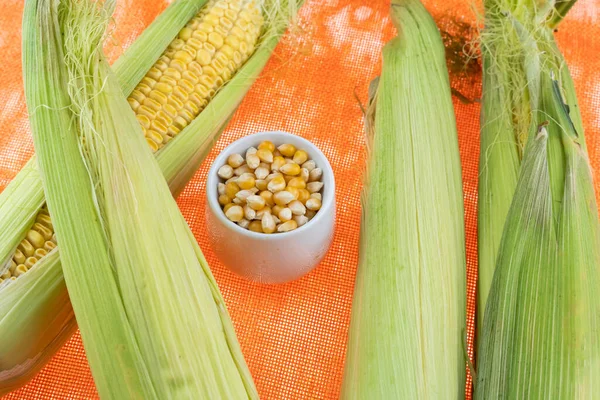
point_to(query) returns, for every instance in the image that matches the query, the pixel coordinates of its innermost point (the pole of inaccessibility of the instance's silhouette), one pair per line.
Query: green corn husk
(407, 328)
(515, 35)
(540, 332)
(36, 306)
(153, 322)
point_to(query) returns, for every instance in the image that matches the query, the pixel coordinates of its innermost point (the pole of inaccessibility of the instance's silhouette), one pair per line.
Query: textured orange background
(294, 335)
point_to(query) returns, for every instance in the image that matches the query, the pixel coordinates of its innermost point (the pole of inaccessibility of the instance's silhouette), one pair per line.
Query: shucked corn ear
(137, 279)
(408, 314)
(39, 297)
(540, 331)
(514, 36)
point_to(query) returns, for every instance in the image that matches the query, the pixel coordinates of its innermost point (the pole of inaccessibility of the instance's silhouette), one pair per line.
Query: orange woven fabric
(294, 335)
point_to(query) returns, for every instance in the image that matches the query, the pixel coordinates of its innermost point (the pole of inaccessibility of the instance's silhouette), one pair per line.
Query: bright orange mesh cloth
(294, 335)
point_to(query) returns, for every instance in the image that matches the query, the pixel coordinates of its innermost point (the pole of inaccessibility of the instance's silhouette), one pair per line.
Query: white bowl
(277, 257)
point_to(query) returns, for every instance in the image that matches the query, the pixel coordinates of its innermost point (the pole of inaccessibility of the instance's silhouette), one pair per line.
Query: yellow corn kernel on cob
(205, 55)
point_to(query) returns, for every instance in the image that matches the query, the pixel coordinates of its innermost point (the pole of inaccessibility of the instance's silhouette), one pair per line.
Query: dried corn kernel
(285, 214)
(295, 192)
(224, 200)
(244, 169)
(313, 204)
(255, 226)
(304, 174)
(225, 172)
(283, 198)
(297, 207)
(261, 213)
(309, 165)
(261, 184)
(261, 172)
(300, 220)
(250, 151)
(315, 175)
(242, 195)
(268, 196)
(277, 163)
(314, 187)
(297, 183)
(235, 213)
(256, 202)
(246, 181)
(277, 184)
(249, 212)
(253, 161)
(287, 150)
(235, 160)
(290, 169)
(268, 223)
(267, 145)
(303, 195)
(265, 155)
(300, 157)
(276, 209)
(231, 189)
(287, 226)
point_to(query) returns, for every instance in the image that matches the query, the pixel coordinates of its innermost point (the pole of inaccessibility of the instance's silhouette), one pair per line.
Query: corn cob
(511, 64)
(408, 314)
(172, 331)
(178, 160)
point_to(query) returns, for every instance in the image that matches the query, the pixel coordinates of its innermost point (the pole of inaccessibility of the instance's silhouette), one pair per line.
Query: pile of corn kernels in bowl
(270, 189)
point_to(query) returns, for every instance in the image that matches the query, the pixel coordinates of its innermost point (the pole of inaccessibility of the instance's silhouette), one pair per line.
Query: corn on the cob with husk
(540, 333)
(408, 314)
(510, 47)
(35, 305)
(153, 322)
(539, 337)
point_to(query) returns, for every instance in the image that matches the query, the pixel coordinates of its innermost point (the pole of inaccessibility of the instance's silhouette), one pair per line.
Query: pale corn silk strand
(164, 315)
(514, 36)
(41, 291)
(408, 315)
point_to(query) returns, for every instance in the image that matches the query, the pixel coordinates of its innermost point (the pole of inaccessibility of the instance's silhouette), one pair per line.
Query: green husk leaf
(408, 313)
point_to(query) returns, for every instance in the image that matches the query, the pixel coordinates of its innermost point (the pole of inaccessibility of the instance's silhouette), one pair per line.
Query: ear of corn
(538, 337)
(136, 277)
(517, 44)
(36, 319)
(540, 332)
(178, 161)
(408, 314)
